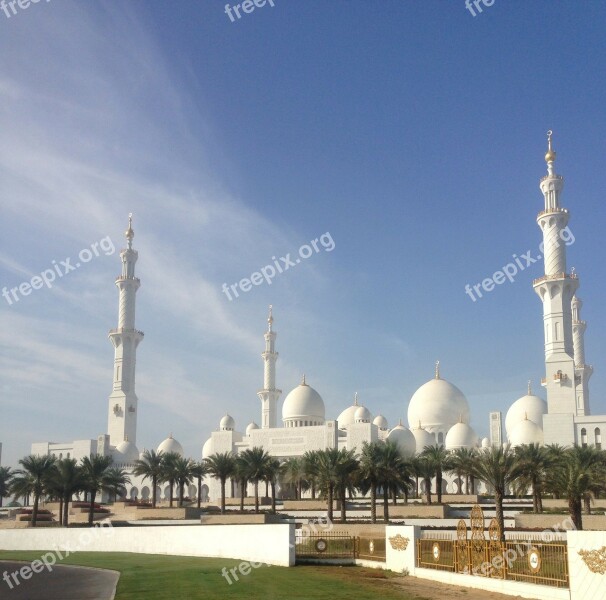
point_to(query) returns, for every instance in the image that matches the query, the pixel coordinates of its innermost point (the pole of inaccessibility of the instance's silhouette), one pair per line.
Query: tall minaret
(269, 394)
(582, 370)
(556, 289)
(122, 419)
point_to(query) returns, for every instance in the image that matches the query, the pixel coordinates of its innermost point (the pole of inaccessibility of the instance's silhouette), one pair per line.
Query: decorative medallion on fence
(478, 541)
(436, 551)
(398, 542)
(321, 545)
(534, 560)
(595, 560)
(462, 560)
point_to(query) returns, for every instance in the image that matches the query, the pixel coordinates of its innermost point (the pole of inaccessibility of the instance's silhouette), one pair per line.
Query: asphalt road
(62, 583)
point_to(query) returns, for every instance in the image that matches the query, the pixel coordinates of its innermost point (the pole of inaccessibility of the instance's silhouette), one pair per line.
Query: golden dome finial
(437, 369)
(529, 388)
(129, 233)
(270, 318)
(550, 156)
(356, 399)
(303, 380)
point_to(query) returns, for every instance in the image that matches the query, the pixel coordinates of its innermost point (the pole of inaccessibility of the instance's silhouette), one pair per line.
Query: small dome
(250, 427)
(362, 415)
(526, 432)
(404, 439)
(348, 416)
(126, 452)
(422, 438)
(207, 449)
(381, 422)
(303, 406)
(227, 423)
(529, 407)
(439, 405)
(170, 445)
(460, 435)
(485, 443)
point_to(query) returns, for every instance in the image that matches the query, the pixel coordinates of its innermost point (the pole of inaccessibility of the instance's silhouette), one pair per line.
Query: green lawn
(155, 577)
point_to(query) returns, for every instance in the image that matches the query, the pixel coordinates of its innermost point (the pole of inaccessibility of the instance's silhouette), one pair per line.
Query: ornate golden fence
(530, 561)
(339, 545)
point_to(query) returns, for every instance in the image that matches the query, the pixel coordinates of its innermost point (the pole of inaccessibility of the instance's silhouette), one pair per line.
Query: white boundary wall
(584, 584)
(270, 544)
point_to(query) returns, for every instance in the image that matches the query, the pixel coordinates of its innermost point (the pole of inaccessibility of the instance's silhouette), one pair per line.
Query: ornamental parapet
(552, 210)
(125, 330)
(554, 276)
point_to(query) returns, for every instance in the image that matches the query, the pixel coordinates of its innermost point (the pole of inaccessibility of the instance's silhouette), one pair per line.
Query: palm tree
(403, 482)
(255, 464)
(461, 463)
(66, 479)
(199, 470)
(346, 466)
(438, 459)
(169, 460)
(116, 481)
(425, 471)
(221, 466)
(241, 477)
(183, 472)
(327, 476)
(580, 473)
(497, 468)
(32, 478)
(310, 468)
(150, 467)
(390, 465)
(370, 474)
(273, 470)
(556, 455)
(5, 481)
(94, 470)
(294, 475)
(533, 463)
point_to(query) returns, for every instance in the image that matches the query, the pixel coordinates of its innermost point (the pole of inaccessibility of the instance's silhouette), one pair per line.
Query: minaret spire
(269, 394)
(556, 289)
(583, 371)
(122, 417)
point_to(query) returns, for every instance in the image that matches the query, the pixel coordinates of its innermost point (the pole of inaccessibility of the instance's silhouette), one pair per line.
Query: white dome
(362, 415)
(404, 439)
(461, 435)
(170, 445)
(485, 443)
(348, 416)
(422, 438)
(303, 406)
(250, 427)
(126, 452)
(526, 432)
(381, 422)
(439, 405)
(207, 449)
(529, 406)
(227, 423)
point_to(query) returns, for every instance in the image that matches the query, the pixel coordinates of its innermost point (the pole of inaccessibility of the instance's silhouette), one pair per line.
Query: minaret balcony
(122, 278)
(554, 276)
(579, 322)
(560, 177)
(552, 210)
(121, 330)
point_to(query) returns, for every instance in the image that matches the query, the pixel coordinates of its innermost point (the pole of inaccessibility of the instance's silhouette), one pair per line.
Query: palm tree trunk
(299, 489)
(243, 485)
(386, 503)
(266, 488)
(91, 510)
(329, 502)
(439, 486)
(535, 501)
(313, 490)
(66, 510)
(257, 497)
(427, 490)
(222, 496)
(199, 491)
(35, 511)
(181, 486)
(394, 496)
(472, 479)
(373, 503)
(172, 485)
(273, 496)
(61, 511)
(154, 490)
(498, 500)
(587, 501)
(343, 504)
(574, 508)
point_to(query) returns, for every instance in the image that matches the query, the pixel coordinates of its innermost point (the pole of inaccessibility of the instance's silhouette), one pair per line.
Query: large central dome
(303, 407)
(437, 406)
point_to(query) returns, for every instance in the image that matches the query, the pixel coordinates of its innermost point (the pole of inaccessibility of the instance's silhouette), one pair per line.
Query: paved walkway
(62, 583)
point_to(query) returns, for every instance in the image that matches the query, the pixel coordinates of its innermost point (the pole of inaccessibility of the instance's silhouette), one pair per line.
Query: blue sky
(412, 132)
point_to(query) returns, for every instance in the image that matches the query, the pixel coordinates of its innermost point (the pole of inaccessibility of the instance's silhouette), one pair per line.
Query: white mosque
(438, 412)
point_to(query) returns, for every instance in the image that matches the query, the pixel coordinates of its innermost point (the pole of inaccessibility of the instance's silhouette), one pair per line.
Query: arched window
(598, 438)
(584, 437)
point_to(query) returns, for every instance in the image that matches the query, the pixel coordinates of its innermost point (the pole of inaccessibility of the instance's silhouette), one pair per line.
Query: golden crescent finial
(551, 155)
